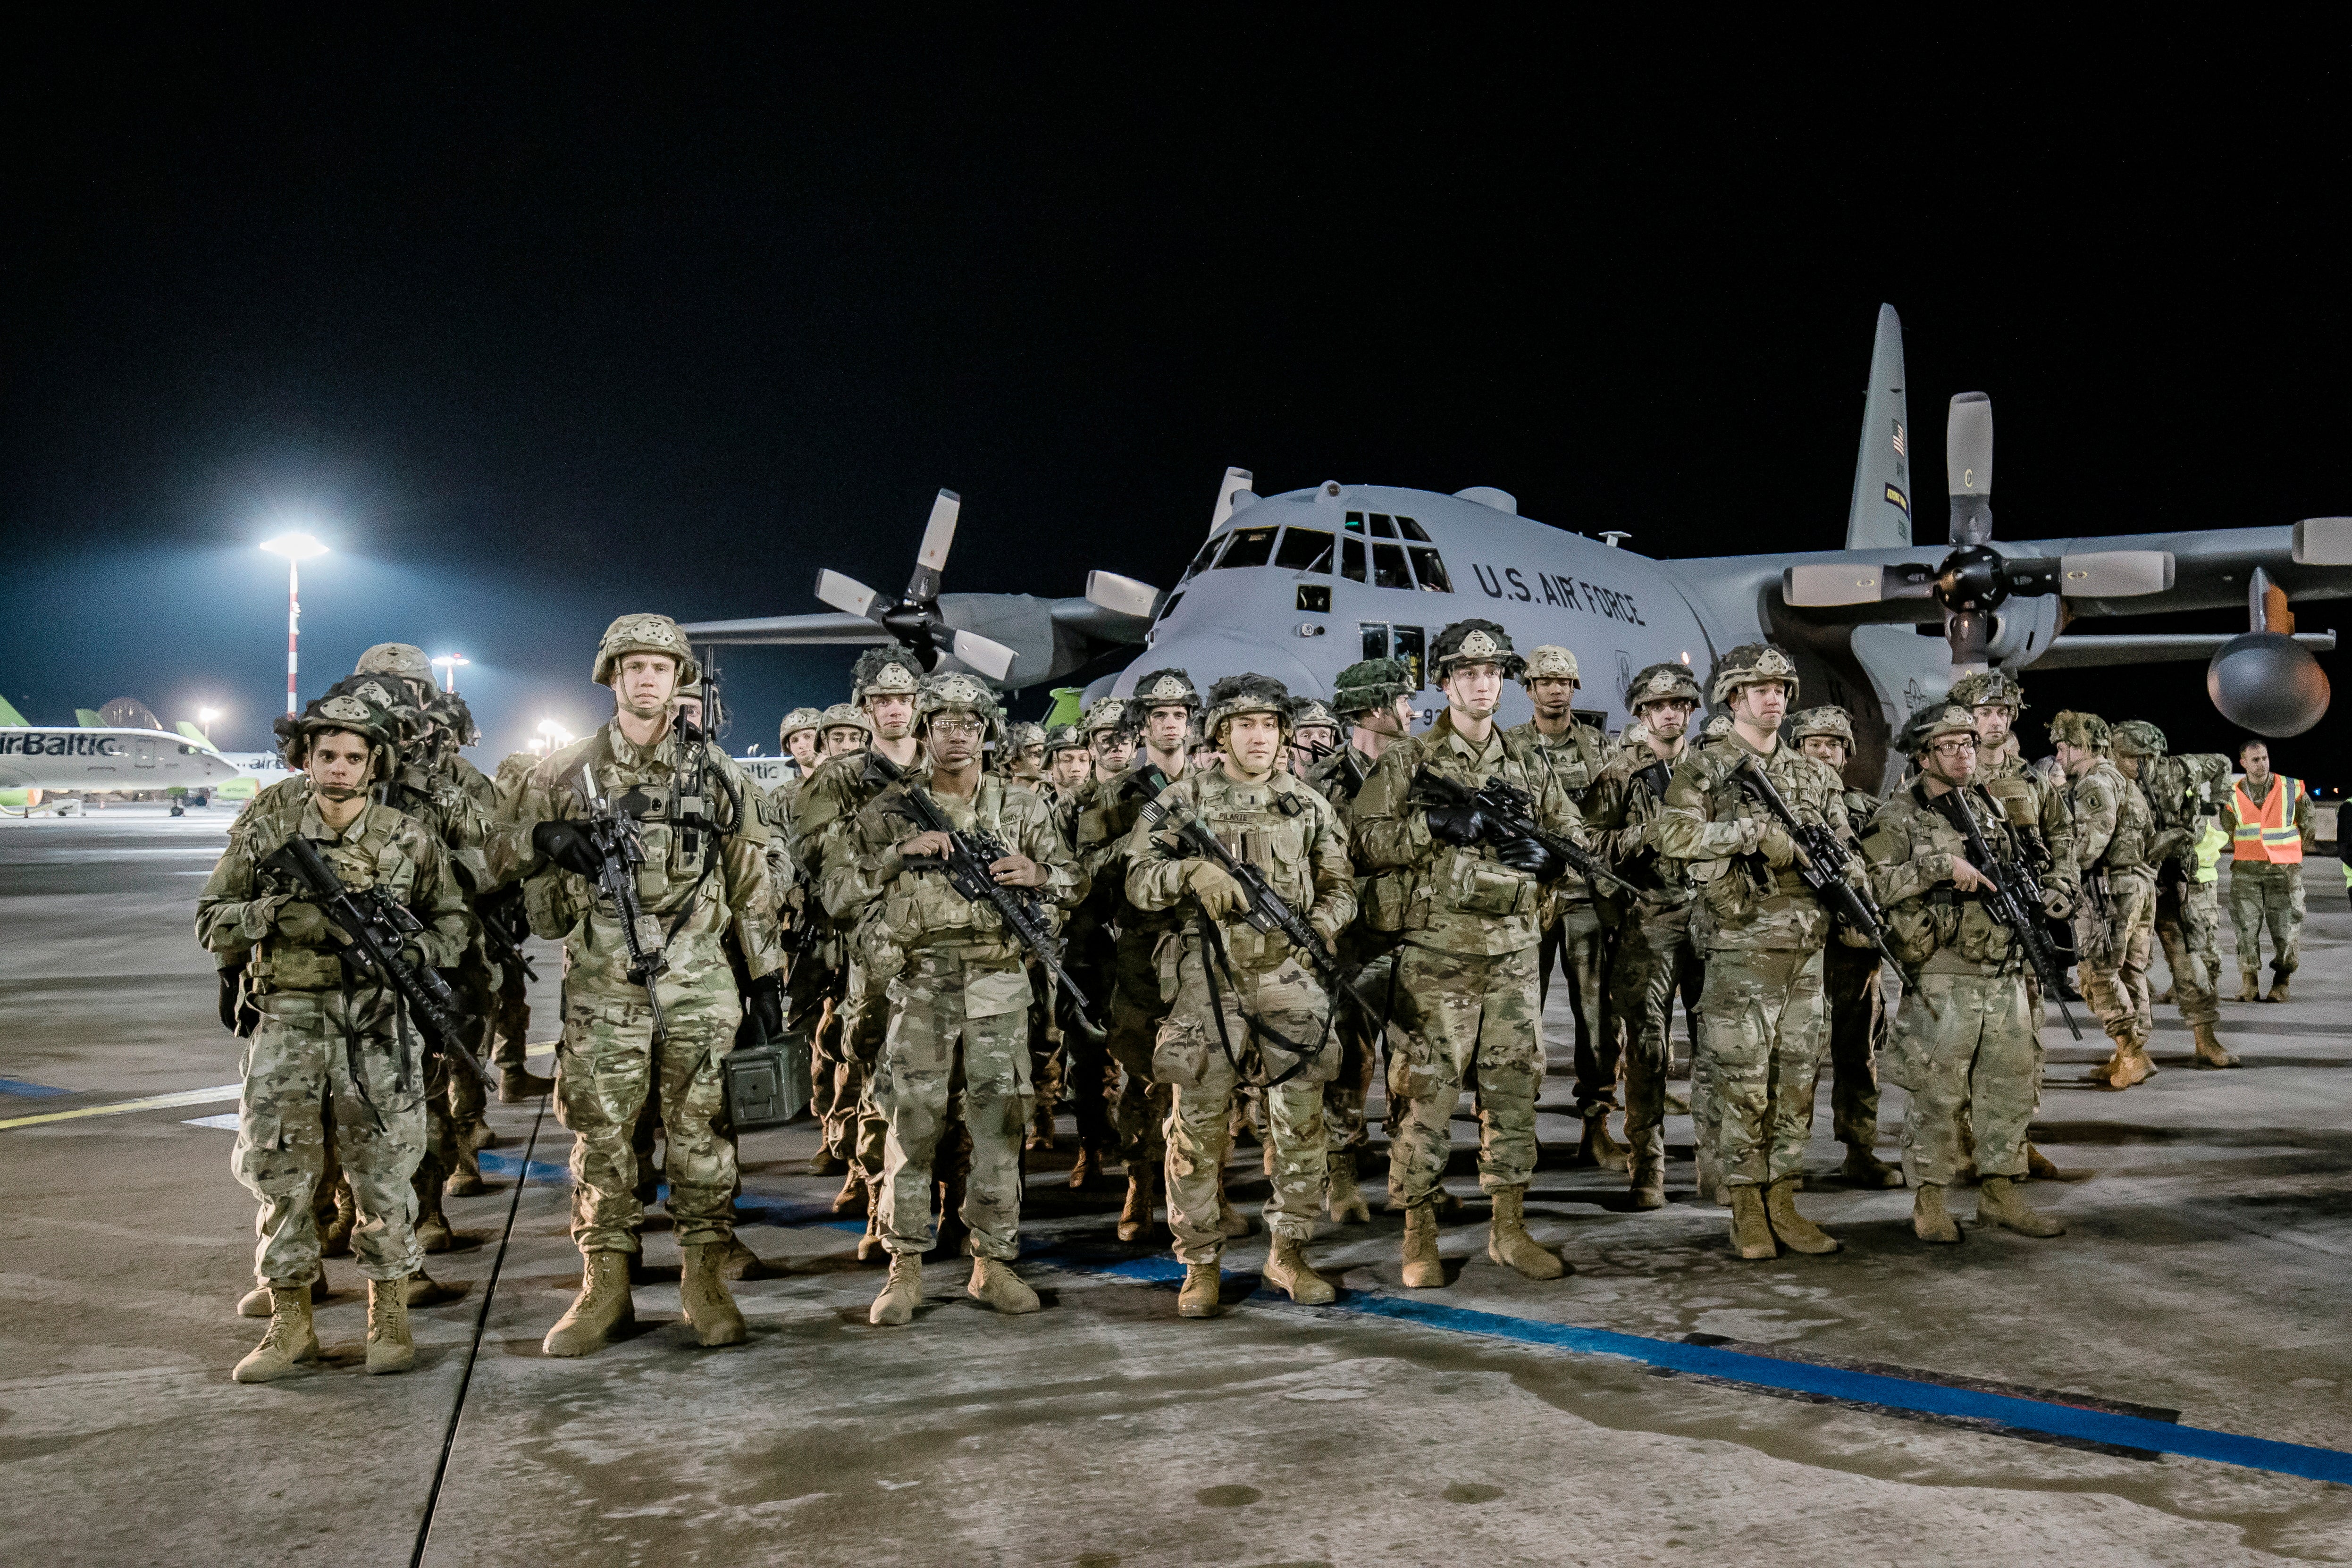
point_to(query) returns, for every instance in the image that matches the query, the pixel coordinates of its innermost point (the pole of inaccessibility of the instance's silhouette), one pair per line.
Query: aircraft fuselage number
(1564, 592)
(59, 742)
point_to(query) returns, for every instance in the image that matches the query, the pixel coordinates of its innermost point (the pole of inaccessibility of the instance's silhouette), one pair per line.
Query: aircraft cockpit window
(1305, 549)
(1355, 522)
(1351, 566)
(1409, 648)
(1251, 547)
(1201, 562)
(1413, 530)
(1430, 570)
(1388, 566)
(1383, 528)
(1376, 639)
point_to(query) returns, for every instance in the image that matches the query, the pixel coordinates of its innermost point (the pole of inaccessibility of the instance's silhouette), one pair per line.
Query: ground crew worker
(704, 874)
(1966, 1037)
(2115, 924)
(1465, 977)
(1575, 938)
(330, 1042)
(2186, 909)
(1653, 957)
(1246, 1010)
(1849, 979)
(1762, 930)
(958, 990)
(2272, 827)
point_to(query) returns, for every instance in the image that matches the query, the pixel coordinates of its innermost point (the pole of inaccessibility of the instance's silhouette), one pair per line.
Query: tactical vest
(2267, 833)
(365, 856)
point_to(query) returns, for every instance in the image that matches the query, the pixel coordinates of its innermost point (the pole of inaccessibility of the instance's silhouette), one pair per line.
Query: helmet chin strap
(339, 792)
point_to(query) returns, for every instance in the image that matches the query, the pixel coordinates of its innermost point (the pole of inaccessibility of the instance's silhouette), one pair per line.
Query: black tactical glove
(764, 1001)
(1455, 824)
(1529, 856)
(568, 845)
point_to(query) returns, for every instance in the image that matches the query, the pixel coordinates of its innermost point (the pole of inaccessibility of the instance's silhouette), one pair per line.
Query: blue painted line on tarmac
(31, 1091)
(1842, 1384)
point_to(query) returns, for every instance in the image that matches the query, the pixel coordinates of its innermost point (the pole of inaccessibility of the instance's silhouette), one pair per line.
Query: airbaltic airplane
(36, 761)
(1300, 585)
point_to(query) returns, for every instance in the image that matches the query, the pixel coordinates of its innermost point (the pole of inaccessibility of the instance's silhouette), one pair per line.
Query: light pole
(297, 549)
(452, 661)
(204, 717)
(552, 736)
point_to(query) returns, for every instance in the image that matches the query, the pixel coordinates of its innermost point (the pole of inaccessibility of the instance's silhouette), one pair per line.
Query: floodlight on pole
(204, 717)
(452, 661)
(297, 549)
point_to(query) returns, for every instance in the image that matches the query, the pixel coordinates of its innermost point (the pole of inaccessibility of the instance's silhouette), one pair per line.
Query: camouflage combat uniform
(2267, 894)
(2113, 937)
(2187, 912)
(1577, 938)
(1368, 946)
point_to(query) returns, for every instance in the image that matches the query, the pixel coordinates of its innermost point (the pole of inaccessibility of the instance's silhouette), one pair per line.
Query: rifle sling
(1212, 958)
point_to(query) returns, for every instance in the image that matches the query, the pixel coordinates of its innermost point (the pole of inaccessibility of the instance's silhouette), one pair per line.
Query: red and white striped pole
(293, 626)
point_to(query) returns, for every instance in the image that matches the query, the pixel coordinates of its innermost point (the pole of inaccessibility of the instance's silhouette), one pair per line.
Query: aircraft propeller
(1974, 579)
(915, 619)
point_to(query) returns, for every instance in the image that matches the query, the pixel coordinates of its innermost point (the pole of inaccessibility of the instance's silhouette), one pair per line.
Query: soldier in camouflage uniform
(703, 877)
(812, 956)
(1246, 1010)
(509, 1023)
(1089, 1076)
(1762, 930)
(1375, 697)
(1850, 979)
(1069, 768)
(846, 728)
(1966, 1038)
(2114, 924)
(1653, 958)
(1168, 703)
(2187, 912)
(332, 1046)
(958, 990)
(1025, 755)
(1315, 735)
(2266, 868)
(800, 737)
(1472, 902)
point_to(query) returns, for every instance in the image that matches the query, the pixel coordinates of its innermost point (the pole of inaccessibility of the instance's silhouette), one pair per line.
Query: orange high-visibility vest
(2268, 833)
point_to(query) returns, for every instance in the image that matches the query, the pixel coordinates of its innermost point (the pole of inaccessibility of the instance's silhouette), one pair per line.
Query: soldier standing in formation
(2176, 791)
(2114, 924)
(2269, 819)
(1069, 767)
(1245, 1011)
(1089, 1076)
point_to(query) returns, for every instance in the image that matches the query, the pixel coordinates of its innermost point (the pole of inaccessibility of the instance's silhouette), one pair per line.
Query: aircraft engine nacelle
(2268, 683)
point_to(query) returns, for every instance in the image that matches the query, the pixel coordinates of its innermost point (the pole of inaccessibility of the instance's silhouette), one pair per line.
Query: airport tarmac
(2169, 1383)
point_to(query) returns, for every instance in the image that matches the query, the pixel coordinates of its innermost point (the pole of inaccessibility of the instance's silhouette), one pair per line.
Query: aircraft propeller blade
(931, 561)
(848, 595)
(1125, 595)
(2114, 574)
(1967, 466)
(991, 659)
(1833, 583)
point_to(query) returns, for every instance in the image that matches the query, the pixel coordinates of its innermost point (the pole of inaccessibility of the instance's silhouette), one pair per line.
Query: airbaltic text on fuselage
(1567, 592)
(57, 743)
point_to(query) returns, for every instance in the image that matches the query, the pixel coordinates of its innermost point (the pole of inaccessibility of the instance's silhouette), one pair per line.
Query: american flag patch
(1898, 440)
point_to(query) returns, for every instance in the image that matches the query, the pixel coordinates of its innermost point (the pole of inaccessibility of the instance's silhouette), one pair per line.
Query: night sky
(537, 327)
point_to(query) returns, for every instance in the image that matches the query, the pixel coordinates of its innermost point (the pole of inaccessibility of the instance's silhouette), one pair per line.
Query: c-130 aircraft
(1301, 584)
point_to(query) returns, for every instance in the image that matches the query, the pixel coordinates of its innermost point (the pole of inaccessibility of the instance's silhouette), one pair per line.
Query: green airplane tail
(1066, 708)
(89, 718)
(193, 733)
(10, 718)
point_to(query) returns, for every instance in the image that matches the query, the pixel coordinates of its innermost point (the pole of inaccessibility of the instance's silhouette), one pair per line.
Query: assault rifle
(2024, 920)
(1351, 770)
(1511, 814)
(1823, 861)
(500, 934)
(970, 854)
(371, 926)
(620, 850)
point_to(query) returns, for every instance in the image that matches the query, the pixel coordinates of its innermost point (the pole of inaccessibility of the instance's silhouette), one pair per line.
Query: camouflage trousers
(1967, 1047)
(1468, 1014)
(510, 1020)
(1764, 1028)
(1089, 1076)
(1578, 943)
(1857, 1029)
(862, 1015)
(2188, 924)
(2113, 947)
(1045, 1046)
(1191, 1060)
(2266, 894)
(1653, 960)
(959, 1024)
(1141, 1113)
(297, 1089)
(460, 1107)
(1373, 956)
(606, 1065)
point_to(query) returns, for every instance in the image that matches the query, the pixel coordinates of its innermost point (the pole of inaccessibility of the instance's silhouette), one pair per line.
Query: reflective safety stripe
(2209, 844)
(2267, 832)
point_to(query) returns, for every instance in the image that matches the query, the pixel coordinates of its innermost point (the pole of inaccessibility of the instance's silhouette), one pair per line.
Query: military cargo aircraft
(1301, 584)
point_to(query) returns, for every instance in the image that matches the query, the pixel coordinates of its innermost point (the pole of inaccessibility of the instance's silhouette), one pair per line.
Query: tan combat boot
(1712, 1188)
(601, 1306)
(2278, 992)
(2131, 1066)
(1599, 1151)
(1751, 1233)
(1343, 1200)
(2249, 988)
(1286, 1266)
(852, 1193)
(518, 1085)
(1198, 1299)
(1422, 1271)
(1232, 1221)
(2000, 1203)
(389, 1348)
(423, 1290)
(2211, 1051)
(1649, 1184)
(1142, 1194)
(702, 1292)
(290, 1338)
(995, 1282)
(902, 1292)
(1085, 1169)
(2038, 1165)
(1864, 1169)
(825, 1163)
(1041, 1132)
(1793, 1230)
(870, 1249)
(467, 1181)
(1509, 1243)
(335, 1239)
(255, 1303)
(1930, 1220)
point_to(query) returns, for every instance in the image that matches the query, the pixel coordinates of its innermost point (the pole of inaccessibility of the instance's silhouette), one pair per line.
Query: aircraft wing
(2211, 567)
(1049, 637)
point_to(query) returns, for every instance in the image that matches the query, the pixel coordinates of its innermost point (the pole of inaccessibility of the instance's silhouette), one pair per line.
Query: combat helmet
(1549, 663)
(844, 716)
(1475, 642)
(1634, 736)
(799, 719)
(1166, 688)
(457, 718)
(1021, 736)
(1715, 729)
(1753, 664)
(1827, 719)
(406, 660)
(1990, 688)
(1237, 694)
(2087, 730)
(2137, 738)
(1305, 713)
(1063, 737)
(411, 712)
(645, 632)
(885, 673)
(1107, 713)
(956, 692)
(1663, 682)
(1371, 685)
(339, 709)
(1937, 718)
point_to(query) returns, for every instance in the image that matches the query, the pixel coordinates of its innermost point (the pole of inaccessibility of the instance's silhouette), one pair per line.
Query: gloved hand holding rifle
(607, 850)
(2003, 890)
(1821, 860)
(1500, 813)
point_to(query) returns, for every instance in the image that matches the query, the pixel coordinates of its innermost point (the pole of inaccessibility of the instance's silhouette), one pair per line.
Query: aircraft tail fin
(1880, 516)
(193, 733)
(88, 718)
(10, 718)
(1066, 708)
